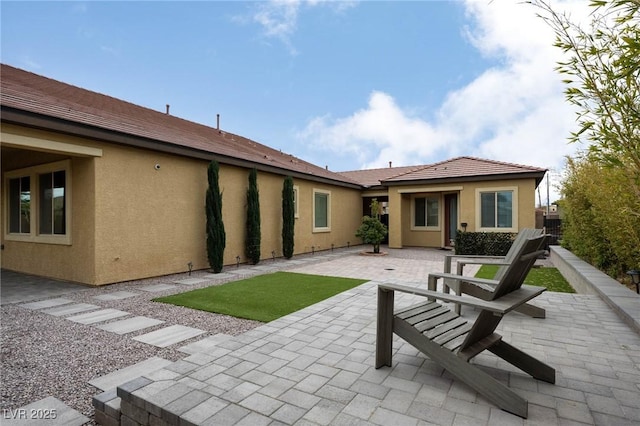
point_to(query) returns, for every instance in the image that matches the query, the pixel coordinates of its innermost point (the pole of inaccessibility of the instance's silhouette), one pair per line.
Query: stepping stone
(191, 281)
(130, 324)
(156, 287)
(98, 316)
(223, 275)
(124, 375)
(264, 267)
(169, 335)
(116, 295)
(205, 345)
(49, 303)
(47, 411)
(237, 272)
(63, 311)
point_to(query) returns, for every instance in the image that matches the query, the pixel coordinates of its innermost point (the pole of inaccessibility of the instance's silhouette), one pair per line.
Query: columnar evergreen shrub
(252, 242)
(288, 217)
(216, 237)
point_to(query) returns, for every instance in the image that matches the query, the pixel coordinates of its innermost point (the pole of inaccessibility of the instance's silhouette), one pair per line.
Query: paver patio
(316, 366)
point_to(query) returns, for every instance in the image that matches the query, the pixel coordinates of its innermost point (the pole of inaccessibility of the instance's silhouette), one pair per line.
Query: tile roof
(459, 168)
(25, 91)
(373, 177)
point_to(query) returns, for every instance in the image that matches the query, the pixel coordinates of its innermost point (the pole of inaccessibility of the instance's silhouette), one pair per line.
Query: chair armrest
(464, 278)
(449, 257)
(473, 256)
(480, 262)
(500, 306)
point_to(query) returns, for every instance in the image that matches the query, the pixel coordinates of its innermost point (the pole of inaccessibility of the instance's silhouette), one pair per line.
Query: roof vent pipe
(217, 121)
(167, 109)
(389, 164)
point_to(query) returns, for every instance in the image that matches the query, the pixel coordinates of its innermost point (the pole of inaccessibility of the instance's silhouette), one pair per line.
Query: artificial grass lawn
(265, 297)
(550, 278)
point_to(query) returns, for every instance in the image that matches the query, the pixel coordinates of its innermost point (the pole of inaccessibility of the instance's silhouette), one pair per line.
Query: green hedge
(484, 243)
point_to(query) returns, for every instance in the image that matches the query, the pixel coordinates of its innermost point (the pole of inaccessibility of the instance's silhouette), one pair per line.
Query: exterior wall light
(464, 226)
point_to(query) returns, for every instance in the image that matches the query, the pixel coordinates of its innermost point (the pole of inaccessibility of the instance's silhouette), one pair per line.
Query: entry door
(450, 218)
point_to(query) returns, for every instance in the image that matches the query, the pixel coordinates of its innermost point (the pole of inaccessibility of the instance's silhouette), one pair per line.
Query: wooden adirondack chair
(482, 290)
(452, 342)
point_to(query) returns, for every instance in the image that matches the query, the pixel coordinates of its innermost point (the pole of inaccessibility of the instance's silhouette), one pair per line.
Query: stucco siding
(74, 262)
(150, 219)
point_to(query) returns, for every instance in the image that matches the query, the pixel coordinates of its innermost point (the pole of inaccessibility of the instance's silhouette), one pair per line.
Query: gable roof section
(454, 170)
(370, 178)
(467, 169)
(36, 101)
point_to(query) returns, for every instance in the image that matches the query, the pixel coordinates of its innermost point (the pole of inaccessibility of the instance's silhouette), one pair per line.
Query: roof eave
(43, 122)
(537, 175)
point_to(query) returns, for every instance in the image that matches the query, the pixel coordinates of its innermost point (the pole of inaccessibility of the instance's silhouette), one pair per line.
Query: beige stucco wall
(165, 214)
(73, 262)
(346, 215)
(400, 205)
(131, 220)
(149, 221)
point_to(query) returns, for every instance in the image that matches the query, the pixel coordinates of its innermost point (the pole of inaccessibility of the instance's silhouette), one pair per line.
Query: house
(97, 190)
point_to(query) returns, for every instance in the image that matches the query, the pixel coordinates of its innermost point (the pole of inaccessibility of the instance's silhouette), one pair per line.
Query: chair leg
(514, 356)
(470, 374)
(532, 310)
(455, 286)
(384, 332)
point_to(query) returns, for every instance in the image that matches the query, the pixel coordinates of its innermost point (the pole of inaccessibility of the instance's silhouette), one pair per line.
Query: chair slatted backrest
(520, 239)
(516, 272)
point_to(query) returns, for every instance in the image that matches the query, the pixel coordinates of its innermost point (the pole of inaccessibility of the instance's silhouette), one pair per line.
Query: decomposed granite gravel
(44, 355)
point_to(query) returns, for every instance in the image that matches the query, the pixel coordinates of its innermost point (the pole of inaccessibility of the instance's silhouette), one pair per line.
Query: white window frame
(427, 227)
(33, 235)
(296, 198)
(322, 228)
(514, 209)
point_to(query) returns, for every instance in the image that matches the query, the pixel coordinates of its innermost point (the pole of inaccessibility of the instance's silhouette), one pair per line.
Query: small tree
(288, 217)
(252, 242)
(372, 231)
(216, 237)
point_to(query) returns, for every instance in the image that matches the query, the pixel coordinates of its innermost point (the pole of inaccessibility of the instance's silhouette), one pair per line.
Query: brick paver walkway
(316, 366)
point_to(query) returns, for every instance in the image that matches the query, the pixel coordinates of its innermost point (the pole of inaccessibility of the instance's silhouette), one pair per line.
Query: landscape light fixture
(635, 278)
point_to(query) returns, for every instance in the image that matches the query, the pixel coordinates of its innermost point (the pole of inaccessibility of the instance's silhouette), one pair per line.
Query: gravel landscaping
(43, 355)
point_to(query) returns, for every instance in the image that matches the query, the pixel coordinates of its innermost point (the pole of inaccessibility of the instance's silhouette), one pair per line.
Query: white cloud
(279, 18)
(381, 128)
(514, 111)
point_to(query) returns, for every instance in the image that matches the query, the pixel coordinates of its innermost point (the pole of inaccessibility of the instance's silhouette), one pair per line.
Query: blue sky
(343, 84)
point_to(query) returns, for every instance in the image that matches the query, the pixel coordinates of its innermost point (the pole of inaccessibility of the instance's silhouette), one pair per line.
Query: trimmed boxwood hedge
(484, 243)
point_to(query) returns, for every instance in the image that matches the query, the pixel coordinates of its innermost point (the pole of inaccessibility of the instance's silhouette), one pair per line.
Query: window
(426, 212)
(497, 209)
(51, 200)
(295, 201)
(38, 203)
(20, 205)
(321, 211)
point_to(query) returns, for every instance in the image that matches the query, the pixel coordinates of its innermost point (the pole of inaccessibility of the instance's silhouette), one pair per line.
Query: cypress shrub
(288, 217)
(216, 237)
(252, 242)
